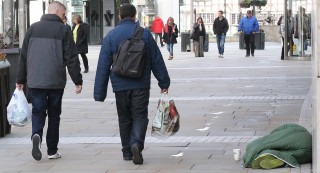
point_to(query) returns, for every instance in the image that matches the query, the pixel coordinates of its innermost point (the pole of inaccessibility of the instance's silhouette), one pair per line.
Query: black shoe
(86, 71)
(252, 54)
(36, 152)
(137, 156)
(127, 158)
(247, 55)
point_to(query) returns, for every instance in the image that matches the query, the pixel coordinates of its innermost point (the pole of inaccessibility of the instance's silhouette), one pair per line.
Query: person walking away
(170, 36)
(65, 21)
(47, 50)
(220, 29)
(287, 34)
(132, 94)
(199, 33)
(249, 26)
(157, 28)
(80, 37)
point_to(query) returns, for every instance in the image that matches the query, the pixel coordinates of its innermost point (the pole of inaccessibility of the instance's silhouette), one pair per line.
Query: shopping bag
(18, 110)
(166, 121)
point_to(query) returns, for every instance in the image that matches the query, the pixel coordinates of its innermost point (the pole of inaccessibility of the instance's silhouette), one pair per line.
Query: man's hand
(164, 90)
(253, 32)
(19, 86)
(78, 89)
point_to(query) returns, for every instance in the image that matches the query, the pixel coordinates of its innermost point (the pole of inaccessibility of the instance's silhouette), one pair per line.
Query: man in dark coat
(46, 51)
(132, 94)
(220, 28)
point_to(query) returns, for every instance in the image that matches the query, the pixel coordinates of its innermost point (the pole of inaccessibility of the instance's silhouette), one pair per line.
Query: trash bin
(259, 41)
(5, 127)
(13, 57)
(185, 42)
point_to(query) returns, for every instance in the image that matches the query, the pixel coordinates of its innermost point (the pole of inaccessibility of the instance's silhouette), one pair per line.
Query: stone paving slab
(223, 103)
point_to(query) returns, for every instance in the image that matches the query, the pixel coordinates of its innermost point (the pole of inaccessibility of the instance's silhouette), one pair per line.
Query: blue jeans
(170, 48)
(220, 42)
(47, 101)
(132, 107)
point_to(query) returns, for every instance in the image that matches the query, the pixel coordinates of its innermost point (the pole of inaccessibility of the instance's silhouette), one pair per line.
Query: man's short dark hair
(127, 10)
(220, 11)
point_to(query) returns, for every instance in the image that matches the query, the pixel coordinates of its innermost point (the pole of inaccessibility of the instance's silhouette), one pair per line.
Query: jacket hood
(51, 17)
(157, 19)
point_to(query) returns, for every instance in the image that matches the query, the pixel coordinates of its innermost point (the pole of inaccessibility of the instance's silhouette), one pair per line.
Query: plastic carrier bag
(18, 110)
(166, 121)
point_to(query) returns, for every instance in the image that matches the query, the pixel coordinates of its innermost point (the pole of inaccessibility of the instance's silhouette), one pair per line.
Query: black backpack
(130, 58)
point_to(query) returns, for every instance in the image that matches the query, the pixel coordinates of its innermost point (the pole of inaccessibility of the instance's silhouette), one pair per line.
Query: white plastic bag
(18, 110)
(166, 121)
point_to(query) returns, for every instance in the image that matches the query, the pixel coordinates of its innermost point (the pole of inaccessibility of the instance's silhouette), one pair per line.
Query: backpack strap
(138, 33)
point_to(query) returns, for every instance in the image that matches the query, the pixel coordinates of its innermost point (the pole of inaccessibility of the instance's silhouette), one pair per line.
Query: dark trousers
(85, 61)
(156, 35)
(132, 107)
(249, 41)
(47, 101)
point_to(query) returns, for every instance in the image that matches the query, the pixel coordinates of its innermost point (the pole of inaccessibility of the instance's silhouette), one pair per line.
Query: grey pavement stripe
(234, 67)
(149, 140)
(223, 78)
(256, 98)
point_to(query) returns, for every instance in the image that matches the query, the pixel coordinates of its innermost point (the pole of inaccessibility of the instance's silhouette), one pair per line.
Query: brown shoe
(170, 58)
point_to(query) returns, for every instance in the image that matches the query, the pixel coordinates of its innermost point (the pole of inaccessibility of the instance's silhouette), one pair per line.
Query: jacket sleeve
(240, 27)
(176, 30)
(158, 66)
(103, 70)
(214, 27)
(82, 39)
(226, 26)
(22, 63)
(71, 59)
(282, 27)
(256, 25)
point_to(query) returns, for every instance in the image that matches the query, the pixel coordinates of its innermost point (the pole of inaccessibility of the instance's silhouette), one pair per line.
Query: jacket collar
(126, 21)
(51, 17)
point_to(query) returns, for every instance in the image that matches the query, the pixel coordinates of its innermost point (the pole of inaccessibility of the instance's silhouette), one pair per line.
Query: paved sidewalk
(223, 103)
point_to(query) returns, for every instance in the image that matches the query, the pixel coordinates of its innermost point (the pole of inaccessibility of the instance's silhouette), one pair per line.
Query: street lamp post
(22, 21)
(8, 22)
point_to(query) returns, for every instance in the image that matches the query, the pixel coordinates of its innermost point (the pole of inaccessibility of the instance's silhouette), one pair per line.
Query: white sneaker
(221, 56)
(55, 156)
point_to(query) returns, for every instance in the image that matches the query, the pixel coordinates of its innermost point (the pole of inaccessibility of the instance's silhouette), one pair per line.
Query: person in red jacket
(157, 28)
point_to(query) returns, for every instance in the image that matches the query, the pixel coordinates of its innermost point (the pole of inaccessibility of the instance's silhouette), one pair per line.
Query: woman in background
(199, 33)
(170, 35)
(80, 35)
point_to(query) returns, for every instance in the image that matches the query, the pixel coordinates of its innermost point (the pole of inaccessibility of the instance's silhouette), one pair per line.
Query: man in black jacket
(47, 50)
(220, 28)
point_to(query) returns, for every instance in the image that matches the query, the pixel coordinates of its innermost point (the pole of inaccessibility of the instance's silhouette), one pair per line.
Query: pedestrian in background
(157, 28)
(249, 26)
(220, 29)
(287, 34)
(170, 36)
(47, 50)
(132, 94)
(80, 36)
(65, 21)
(198, 36)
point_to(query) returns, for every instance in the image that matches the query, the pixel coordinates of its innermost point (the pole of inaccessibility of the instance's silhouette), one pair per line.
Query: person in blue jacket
(249, 26)
(132, 94)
